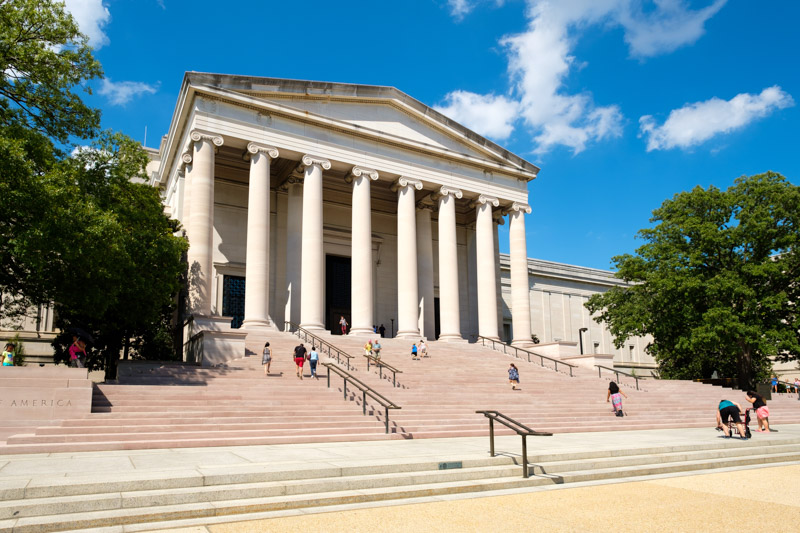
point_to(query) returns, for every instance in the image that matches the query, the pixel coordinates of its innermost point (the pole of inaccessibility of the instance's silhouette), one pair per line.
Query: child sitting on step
(615, 395)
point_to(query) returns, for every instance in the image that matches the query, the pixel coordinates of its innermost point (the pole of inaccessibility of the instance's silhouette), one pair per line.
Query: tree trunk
(745, 376)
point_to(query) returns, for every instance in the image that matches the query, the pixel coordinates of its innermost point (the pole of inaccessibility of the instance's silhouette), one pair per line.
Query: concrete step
(174, 499)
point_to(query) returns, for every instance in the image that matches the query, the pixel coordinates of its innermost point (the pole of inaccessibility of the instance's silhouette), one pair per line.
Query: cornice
(308, 160)
(357, 172)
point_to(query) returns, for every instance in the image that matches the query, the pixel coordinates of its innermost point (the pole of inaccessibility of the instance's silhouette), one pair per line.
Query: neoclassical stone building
(329, 200)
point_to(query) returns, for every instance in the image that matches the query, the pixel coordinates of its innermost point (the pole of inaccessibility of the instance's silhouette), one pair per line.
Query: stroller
(746, 423)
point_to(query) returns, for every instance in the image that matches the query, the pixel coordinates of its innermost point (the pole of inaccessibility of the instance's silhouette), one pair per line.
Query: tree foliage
(76, 231)
(716, 282)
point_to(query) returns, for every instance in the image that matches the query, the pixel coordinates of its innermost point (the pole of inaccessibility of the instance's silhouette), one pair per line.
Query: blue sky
(622, 103)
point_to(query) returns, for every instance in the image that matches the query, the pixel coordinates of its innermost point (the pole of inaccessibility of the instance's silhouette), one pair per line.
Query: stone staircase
(187, 406)
(225, 493)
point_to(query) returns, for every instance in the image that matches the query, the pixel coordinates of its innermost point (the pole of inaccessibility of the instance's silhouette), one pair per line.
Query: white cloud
(489, 115)
(91, 16)
(122, 92)
(540, 60)
(695, 123)
(460, 8)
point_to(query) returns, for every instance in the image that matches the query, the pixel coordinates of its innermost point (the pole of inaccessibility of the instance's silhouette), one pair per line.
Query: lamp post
(392, 319)
(580, 337)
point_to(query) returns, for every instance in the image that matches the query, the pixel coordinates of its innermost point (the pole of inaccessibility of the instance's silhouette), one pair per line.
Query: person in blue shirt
(774, 384)
(728, 410)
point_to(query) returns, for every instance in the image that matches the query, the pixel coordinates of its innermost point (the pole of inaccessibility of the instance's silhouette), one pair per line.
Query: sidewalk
(676, 501)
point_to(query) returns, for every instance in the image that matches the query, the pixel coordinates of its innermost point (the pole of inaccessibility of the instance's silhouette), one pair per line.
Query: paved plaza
(727, 497)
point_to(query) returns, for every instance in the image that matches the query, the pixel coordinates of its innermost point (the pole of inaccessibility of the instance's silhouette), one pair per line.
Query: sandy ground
(756, 500)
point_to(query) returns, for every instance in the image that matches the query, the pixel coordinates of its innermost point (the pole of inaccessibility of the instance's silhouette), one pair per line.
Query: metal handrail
(789, 386)
(521, 430)
(365, 389)
(541, 357)
(617, 372)
(381, 365)
(322, 343)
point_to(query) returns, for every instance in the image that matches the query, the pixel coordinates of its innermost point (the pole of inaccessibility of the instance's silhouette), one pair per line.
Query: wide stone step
(183, 499)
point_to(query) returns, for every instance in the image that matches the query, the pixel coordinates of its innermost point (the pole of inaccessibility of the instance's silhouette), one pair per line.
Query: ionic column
(449, 312)
(361, 311)
(186, 168)
(407, 300)
(427, 319)
(312, 266)
(485, 267)
(294, 247)
(256, 296)
(520, 291)
(201, 222)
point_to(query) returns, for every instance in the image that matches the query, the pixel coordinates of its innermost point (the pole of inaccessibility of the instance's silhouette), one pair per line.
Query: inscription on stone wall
(15, 402)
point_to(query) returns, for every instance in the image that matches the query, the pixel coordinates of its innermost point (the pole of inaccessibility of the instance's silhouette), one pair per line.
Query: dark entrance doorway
(436, 318)
(233, 288)
(337, 292)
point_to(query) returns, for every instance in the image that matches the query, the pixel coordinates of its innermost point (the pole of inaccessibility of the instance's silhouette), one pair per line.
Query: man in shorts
(299, 359)
(730, 411)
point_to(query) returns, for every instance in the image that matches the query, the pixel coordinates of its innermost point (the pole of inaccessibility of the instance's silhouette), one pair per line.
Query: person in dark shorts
(762, 411)
(728, 410)
(299, 359)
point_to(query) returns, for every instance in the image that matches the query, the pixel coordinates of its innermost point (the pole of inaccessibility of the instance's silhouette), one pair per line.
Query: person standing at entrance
(266, 358)
(299, 359)
(382, 331)
(313, 359)
(343, 323)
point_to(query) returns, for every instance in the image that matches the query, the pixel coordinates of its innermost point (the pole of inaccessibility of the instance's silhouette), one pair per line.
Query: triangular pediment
(383, 111)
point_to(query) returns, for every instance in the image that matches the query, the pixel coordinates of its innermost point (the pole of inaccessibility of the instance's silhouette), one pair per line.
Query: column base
(313, 327)
(259, 324)
(523, 343)
(362, 332)
(451, 337)
(408, 335)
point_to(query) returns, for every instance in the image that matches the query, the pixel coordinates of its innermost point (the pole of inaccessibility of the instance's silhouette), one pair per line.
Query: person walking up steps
(615, 395)
(313, 359)
(299, 359)
(343, 323)
(513, 376)
(762, 411)
(414, 352)
(266, 358)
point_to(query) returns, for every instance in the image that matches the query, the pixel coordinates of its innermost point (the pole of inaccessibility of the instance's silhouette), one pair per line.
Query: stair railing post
(599, 370)
(345, 388)
(329, 377)
(386, 409)
(491, 437)
(364, 402)
(524, 456)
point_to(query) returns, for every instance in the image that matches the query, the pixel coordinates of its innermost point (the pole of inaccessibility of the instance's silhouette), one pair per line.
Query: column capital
(483, 200)
(444, 190)
(186, 160)
(405, 181)
(498, 219)
(254, 148)
(357, 172)
(198, 135)
(309, 160)
(518, 207)
(423, 205)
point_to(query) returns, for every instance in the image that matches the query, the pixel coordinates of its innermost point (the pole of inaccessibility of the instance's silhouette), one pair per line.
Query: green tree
(75, 230)
(716, 282)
